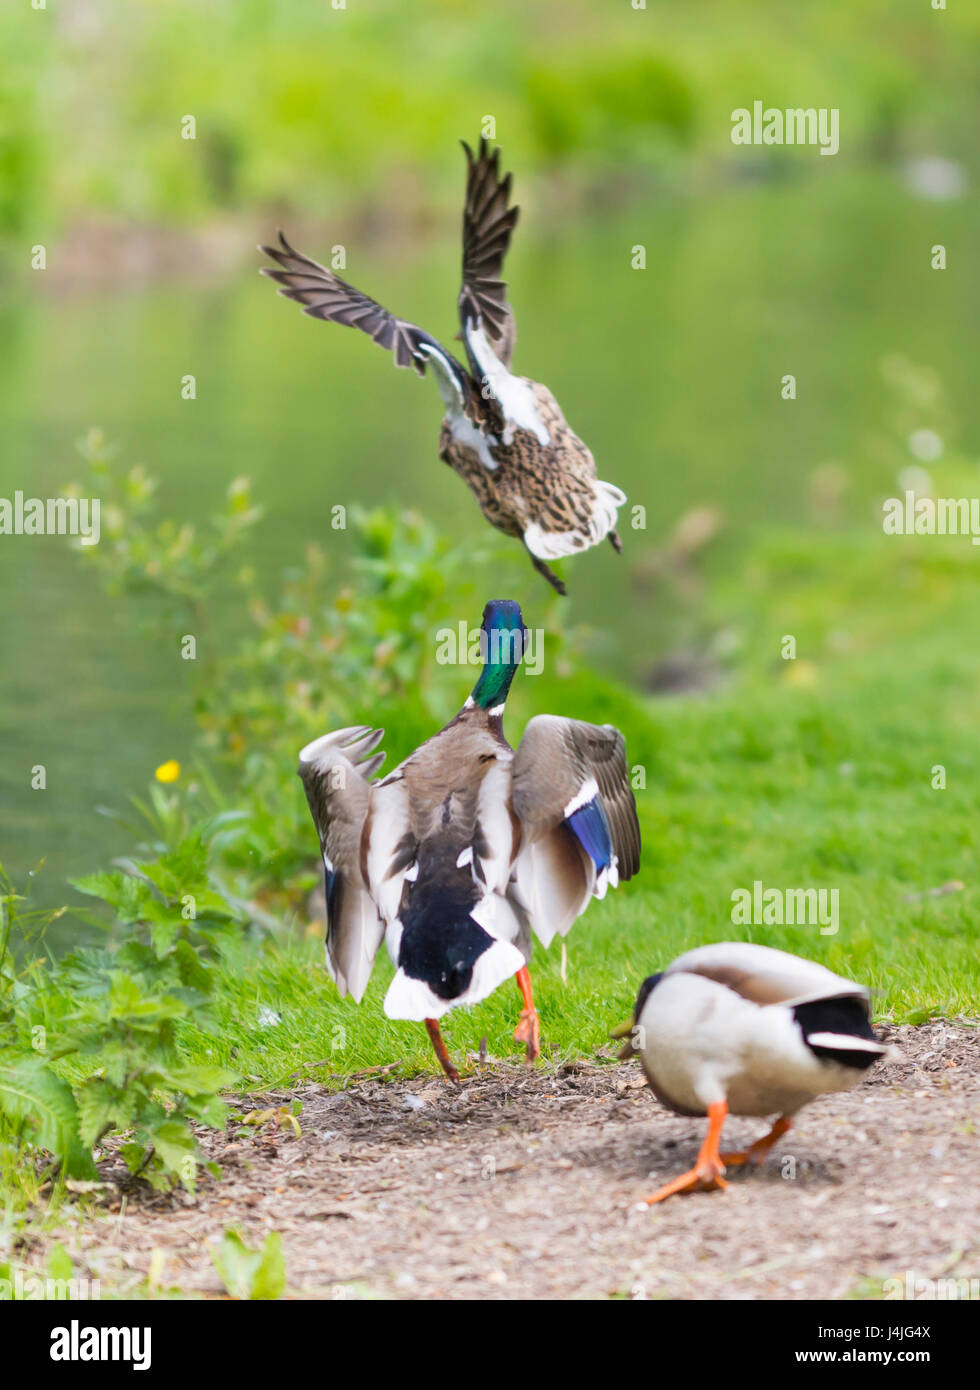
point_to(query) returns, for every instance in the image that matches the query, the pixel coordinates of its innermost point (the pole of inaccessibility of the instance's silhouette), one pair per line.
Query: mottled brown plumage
(505, 435)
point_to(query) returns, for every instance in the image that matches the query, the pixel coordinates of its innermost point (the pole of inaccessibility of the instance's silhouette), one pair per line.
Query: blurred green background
(342, 126)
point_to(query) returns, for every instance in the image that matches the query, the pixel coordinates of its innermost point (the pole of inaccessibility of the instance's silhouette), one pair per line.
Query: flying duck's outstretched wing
(572, 795)
(324, 295)
(335, 770)
(487, 225)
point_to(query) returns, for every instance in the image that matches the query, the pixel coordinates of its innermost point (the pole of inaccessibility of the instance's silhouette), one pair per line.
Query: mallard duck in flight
(505, 435)
(747, 1030)
(468, 846)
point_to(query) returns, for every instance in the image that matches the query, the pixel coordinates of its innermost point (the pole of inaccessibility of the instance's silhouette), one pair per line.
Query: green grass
(813, 773)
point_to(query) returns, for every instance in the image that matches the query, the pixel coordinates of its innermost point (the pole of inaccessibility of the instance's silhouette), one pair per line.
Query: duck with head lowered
(505, 435)
(742, 1029)
(469, 846)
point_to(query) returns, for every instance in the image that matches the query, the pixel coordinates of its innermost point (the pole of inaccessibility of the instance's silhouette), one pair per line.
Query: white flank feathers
(514, 395)
(391, 813)
(463, 429)
(554, 879)
(497, 827)
(466, 433)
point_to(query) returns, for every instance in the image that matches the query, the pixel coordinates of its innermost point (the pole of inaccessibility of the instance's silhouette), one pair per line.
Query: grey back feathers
(464, 831)
(765, 975)
(760, 1029)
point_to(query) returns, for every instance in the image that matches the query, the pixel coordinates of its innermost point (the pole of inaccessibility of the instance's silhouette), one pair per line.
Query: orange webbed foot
(703, 1177)
(709, 1170)
(756, 1153)
(528, 1031)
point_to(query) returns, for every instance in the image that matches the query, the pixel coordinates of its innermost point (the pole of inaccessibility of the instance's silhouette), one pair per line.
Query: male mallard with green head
(747, 1030)
(468, 846)
(505, 435)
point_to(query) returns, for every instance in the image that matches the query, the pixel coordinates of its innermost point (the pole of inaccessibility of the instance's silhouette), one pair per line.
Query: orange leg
(432, 1028)
(756, 1153)
(708, 1171)
(528, 1031)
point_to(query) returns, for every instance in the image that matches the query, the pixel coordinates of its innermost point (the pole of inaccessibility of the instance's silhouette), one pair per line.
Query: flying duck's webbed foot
(756, 1153)
(708, 1172)
(441, 1051)
(615, 542)
(549, 574)
(528, 1031)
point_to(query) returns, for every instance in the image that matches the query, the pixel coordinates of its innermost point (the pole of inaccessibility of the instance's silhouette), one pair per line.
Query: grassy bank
(851, 767)
(322, 107)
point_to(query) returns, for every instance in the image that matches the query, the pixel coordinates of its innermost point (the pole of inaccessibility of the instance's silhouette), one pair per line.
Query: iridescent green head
(502, 643)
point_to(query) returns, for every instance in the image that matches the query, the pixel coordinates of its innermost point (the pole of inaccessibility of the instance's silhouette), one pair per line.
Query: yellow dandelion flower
(800, 673)
(168, 771)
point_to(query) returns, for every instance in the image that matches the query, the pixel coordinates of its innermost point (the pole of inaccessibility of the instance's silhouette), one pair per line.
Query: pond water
(671, 374)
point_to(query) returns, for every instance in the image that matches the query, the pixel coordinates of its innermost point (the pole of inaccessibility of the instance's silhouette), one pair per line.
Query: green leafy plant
(37, 1106)
(109, 1059)
(248, 1273)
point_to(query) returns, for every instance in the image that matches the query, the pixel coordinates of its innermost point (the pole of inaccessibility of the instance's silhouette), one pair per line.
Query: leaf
(31, 1094)
(99, 1105)
(200, 1078)
(174, 1143)
(191, 968)
(60, 1263)
(251, 1274)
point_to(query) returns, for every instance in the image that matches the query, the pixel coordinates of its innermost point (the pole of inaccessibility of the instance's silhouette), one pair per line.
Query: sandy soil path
(527, 1186)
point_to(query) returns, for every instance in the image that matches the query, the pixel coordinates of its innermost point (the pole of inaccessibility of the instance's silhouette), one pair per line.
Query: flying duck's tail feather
(591, 528)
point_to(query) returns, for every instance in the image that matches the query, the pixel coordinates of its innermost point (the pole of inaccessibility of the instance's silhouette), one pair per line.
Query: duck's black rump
(842, 1018)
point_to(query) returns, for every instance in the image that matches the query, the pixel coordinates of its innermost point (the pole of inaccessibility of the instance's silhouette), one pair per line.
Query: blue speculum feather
(591, 829)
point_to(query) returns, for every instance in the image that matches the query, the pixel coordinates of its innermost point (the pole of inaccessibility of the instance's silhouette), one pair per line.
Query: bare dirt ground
(520, 1185)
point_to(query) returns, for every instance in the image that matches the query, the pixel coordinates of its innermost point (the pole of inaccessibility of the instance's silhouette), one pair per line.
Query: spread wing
(572, 794)
(334, 770)
(324, 295)
(765, 975)
(487, 225)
